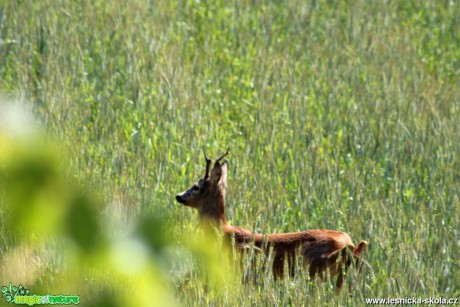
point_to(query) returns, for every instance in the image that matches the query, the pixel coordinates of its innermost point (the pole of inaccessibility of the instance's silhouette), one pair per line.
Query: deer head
(208, 194)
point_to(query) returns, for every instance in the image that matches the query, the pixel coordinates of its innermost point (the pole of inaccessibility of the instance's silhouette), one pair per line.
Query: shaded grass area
(340, 115)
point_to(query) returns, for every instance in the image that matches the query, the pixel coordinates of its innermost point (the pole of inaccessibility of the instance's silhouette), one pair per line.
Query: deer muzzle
(180, 199)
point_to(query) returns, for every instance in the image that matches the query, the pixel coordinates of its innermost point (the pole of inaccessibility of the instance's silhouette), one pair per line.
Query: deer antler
(221, 157)
(208, 164)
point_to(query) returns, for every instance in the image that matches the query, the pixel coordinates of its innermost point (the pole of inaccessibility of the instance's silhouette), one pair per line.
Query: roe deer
(321, 249)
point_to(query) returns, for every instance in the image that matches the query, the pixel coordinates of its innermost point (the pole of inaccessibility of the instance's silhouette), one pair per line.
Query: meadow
(339, 114)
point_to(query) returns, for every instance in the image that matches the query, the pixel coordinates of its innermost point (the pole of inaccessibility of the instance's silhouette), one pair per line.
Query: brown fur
(321, 249)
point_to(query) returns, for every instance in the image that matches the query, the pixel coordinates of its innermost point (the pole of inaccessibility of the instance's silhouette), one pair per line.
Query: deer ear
(223, 176)
(219, 173)
(216, 173)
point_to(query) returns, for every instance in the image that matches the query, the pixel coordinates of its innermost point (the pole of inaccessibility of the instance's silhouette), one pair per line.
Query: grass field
(339, 114)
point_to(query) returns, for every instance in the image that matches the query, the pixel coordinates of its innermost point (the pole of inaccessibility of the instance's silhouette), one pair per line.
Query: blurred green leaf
(82, 223)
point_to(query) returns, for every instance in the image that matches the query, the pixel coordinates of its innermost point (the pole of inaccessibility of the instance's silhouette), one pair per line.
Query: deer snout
(180, 199)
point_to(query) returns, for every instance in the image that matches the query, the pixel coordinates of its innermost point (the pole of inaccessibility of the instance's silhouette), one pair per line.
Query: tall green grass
(339, 114)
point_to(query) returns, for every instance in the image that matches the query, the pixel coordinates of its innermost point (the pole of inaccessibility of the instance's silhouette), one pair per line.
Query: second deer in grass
(322, 250)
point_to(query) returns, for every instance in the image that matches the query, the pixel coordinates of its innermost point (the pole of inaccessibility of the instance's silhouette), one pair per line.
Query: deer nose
(179, 199)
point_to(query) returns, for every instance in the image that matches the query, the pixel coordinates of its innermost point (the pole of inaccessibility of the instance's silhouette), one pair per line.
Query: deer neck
(214, 212)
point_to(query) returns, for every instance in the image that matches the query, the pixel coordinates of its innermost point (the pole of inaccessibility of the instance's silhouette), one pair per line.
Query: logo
(19, 295)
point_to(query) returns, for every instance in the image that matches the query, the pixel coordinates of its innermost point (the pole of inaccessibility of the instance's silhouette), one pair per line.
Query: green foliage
(339, 114)
(53, 237)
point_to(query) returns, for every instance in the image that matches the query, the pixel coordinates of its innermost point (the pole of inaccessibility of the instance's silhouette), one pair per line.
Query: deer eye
(195, 188)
